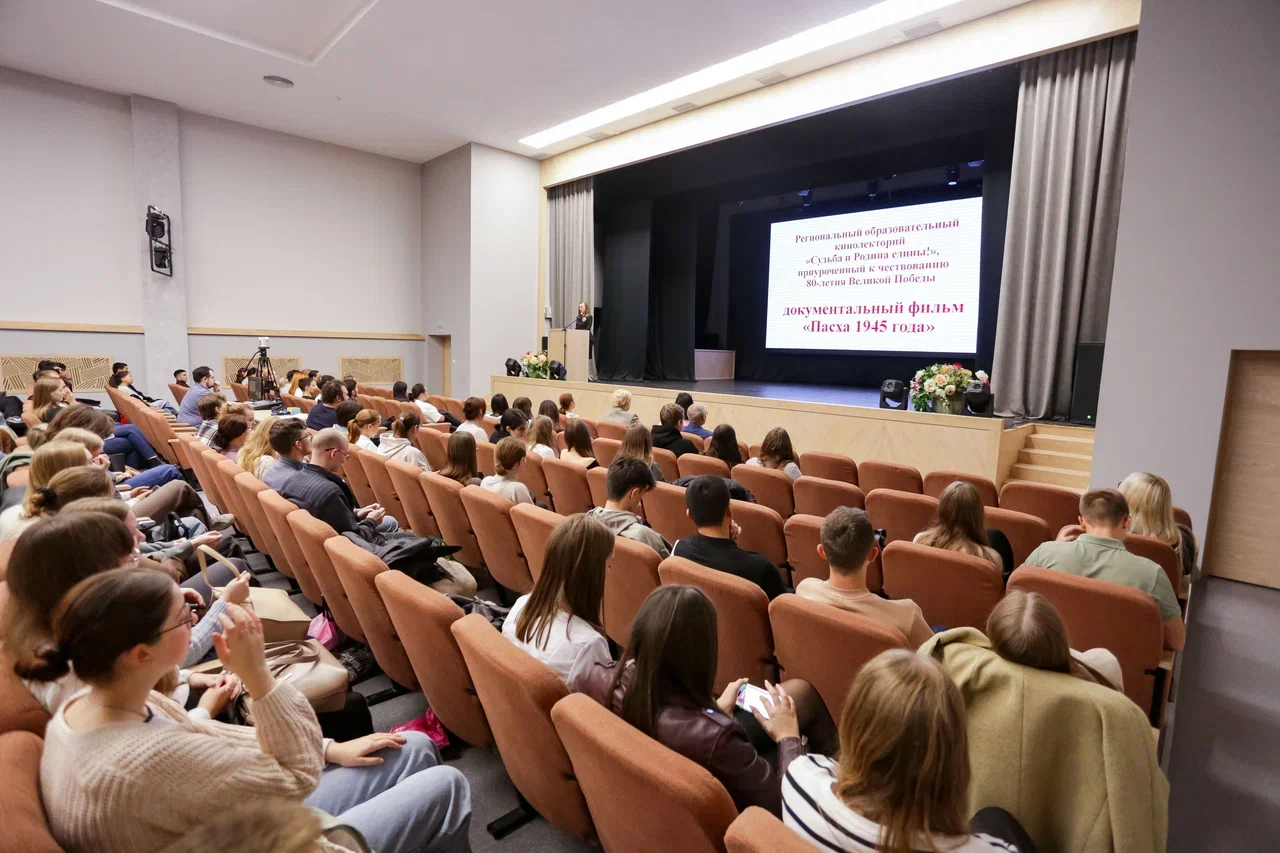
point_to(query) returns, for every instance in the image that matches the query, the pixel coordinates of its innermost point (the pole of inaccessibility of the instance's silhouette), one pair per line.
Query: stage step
(1078, 480)
(1064, 430)
(1056, 459)
(1060, 443)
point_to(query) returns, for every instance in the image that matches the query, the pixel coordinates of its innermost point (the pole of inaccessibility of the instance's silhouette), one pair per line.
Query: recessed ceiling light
(885, 14)
(276, 80)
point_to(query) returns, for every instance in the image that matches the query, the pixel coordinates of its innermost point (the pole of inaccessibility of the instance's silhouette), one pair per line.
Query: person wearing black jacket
(319, 490)
(713, 546)
(667, 434)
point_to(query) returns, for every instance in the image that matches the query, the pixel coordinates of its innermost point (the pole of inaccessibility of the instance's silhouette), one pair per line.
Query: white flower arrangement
(941, 381)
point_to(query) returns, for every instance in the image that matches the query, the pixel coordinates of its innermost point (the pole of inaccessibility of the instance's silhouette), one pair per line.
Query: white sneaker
(222, 521)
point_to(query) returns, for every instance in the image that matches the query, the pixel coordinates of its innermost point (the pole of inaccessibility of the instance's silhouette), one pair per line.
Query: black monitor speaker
(1088, 381)
(893, 394)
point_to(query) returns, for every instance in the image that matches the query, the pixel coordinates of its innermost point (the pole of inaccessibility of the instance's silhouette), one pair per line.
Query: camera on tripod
(261, 382)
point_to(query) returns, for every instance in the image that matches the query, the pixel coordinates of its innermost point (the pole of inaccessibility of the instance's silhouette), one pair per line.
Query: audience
(559, 622)
(684, 400)
(776, 453)
(180, 377)
(399, 391)
(1025, 628)
(256, 456)
(901, 780)
(347, 410)
(70, 484)
(1096, 550)
(848, 544)
(525, 406)
(53, 457)
(402, 444)
(123, 380)
(724, 446)
(210, 409)
(508, 456)
(664, 687)
(498, 405)
(1151, 510)
(473, 419)
(363, 427)
(637, 444)
(621, 412)
(49, 393)
(667, 433)
(510, 424)
(549, 410)
(291, 443)
(418, 396)
(567, 406)
(96, 445)
(696, 424)
(713, 546)
(462, 467)
(577, 445)
(233, 431)
(352, 387)
(325, 415)
(124, 439)
(188, 410)
(319, 490)
(625, 487)
(103, 772)
(540, 438)
(958, 527)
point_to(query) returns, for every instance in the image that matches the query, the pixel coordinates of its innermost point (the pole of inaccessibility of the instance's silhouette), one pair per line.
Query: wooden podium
(572, 349)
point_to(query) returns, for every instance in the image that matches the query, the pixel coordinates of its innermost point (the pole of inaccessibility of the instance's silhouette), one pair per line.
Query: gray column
(157, 181)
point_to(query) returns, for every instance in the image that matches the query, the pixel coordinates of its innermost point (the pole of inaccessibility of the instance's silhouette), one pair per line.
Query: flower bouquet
(940, 388)
(535, 365)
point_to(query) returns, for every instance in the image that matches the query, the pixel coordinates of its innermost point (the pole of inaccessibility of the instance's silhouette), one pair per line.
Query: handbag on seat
(282, 619)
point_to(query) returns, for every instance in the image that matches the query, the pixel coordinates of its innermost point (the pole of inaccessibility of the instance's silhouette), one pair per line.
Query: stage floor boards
(841, 395)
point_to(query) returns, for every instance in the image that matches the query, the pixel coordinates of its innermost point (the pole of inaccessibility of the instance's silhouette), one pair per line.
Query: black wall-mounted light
(159, 230)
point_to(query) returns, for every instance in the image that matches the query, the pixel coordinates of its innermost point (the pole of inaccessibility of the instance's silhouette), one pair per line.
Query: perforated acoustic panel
(89, 373)
(282, 364)
(372, 370)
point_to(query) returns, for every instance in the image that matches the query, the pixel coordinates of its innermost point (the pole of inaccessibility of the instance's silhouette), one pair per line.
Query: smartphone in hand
(752, 698)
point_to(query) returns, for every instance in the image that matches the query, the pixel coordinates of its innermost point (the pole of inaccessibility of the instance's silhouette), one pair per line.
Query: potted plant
(940, 388)
(535, 365)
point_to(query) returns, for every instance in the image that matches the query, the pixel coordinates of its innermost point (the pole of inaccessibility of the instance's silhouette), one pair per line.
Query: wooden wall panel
(372, 370)
(89, 373)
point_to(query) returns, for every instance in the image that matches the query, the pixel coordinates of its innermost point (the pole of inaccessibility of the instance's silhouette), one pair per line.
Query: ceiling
(407, 78)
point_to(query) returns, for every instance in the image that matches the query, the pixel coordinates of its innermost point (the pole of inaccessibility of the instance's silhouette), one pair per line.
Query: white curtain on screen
(571, 216)
(1064, 206)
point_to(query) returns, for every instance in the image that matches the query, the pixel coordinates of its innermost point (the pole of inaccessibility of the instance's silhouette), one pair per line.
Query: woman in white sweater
(126, 770)
(402, 444)
(508, 456)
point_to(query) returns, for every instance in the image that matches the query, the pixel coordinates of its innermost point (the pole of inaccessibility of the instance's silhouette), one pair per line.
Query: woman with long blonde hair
(541, 438)
(47, 392)
(1151, 514)
(69, 484)
(901, 782)
(256, 456)
(638, 444)
(958, 526)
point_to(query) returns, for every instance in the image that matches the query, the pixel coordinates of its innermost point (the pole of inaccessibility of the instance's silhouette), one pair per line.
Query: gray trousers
(409, 803)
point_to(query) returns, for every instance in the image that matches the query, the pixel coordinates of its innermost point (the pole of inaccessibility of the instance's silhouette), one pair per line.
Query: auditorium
(842, 425)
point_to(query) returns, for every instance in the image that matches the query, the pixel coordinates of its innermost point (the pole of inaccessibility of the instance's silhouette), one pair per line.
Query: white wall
(505, 189)
(68, 234)
(1195, 273)
(287, 233)
(446, 259)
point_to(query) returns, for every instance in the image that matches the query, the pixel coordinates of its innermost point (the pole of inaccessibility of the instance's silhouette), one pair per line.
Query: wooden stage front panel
(923, 440)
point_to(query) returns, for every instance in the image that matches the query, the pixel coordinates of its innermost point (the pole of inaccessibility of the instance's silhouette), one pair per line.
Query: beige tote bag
(282, 620)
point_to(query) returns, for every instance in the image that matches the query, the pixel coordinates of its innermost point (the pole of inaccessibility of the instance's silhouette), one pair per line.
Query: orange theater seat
(887, 475)
(358, 571)
(829, 466)
(1058, 506)
(936, 481)
(631, 574)
(819, 496)
(665, 511)
(803, 535)
(693, 465)
(769, 487)
(954, 590)
(568, 485)
(490, 516)
(534, 526)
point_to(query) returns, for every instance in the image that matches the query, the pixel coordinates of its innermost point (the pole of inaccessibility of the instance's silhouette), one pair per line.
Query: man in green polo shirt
(1096, 550)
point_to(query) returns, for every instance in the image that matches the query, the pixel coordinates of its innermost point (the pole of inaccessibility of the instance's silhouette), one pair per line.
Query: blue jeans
(388, 525)
(153, 477)
(129, 440)
(407, 804)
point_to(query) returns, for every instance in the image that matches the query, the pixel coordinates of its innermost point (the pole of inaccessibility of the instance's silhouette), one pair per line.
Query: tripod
(264, 385)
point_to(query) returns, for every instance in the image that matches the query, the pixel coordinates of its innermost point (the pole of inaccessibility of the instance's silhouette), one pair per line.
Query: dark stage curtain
(673, 262)
(624, 311)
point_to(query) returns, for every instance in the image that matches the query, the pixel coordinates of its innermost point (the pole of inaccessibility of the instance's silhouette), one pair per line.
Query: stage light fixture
(557, 371)
(156, 227)
(513, 367)
(893, 394)
(159, 231)
(978, 400)
(160, 260)
(953, 175)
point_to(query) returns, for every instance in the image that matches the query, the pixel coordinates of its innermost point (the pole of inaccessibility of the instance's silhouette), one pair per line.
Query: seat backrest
(358, 571)
(423, 617)
(1024, 532)
(1159, 553)
(758, 831)
(357, 479)
(490, 517)
(769, 486)
(901, 514)
(532, 475)
(936, 481)
(26, 825)
(665, 510)
(696, 440)
(888, 475)
(250, 487)
(277, 510)
(241, 391)
(629, 779)
(518, 693)
(384, 490)
(1101, 614)
(818, 496)
(178, 392)
(605, 449)
(367, 401)
(696, 465)
(608, 429)
(312, 534)
(762, 532)
(598, 483)
(826, 646)
(307, 404)
(19, 710)
(434, 445)
(388, 408)
(209, 482)
(667, 464)
(485, 458)
(631, 574)
(246, 520)
(445, 497)
(454, 407)
(829, 466)
(6, 549)
(533, 526)
(804, 534)
(1181, 516)
(593, 428)
(1058, 506)
(742, 625)
(413, 501)
(437, 400)
(952, 589)
(567, 483)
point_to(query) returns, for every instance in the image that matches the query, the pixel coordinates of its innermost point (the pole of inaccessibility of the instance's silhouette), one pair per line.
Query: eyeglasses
(191, 619)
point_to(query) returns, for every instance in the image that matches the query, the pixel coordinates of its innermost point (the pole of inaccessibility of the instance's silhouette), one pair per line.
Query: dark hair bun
(48, 664)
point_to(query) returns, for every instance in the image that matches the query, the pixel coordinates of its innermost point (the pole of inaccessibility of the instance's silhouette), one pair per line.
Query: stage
(829, 418)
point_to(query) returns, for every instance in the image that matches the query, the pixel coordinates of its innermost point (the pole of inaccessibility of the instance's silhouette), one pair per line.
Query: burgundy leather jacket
(705, 736)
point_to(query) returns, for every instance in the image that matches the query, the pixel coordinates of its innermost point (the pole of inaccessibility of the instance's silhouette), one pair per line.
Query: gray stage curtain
(1064, 206)
(571, 222)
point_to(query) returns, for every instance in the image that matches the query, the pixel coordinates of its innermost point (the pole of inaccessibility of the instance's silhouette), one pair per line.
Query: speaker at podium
(572, 348)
